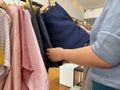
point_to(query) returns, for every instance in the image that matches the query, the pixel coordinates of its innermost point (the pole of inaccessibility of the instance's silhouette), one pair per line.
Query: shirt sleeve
(107, 44)
(107, 47)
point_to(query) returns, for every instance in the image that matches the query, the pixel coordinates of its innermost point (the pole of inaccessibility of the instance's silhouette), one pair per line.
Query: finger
(48, 57)
(48, 53)
(47, 49)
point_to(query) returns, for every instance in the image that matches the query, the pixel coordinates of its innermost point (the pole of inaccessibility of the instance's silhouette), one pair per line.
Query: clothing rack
(34, 3)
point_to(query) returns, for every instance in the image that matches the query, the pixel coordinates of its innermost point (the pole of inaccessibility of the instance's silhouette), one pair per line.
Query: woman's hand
(55, 54)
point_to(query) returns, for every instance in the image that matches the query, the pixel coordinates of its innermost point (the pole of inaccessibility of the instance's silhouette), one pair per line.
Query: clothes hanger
(33, 3)
(26, 5)
(37, 4)
(46, 7)
(52, 2)
(29, 3)
(3, 4)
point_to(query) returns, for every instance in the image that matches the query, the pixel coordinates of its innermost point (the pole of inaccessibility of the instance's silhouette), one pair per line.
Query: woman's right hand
(55, 54)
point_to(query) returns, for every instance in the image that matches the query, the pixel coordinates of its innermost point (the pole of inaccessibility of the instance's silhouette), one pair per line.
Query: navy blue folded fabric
(63, 32)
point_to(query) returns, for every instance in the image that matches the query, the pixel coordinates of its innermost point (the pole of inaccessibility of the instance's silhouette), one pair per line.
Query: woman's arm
(83, 56)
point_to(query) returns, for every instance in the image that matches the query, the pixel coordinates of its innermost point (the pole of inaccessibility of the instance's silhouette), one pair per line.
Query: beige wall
(92, 13)
(72, 8)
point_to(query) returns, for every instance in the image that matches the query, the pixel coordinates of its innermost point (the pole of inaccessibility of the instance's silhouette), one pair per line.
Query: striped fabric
(5, 23)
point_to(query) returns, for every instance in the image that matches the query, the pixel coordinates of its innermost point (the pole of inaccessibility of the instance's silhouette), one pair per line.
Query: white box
(67, 77)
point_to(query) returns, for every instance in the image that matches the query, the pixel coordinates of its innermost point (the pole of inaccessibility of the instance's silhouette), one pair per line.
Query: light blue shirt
(105, 42)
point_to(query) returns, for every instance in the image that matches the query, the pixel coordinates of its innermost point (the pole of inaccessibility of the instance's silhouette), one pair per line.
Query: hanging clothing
(39, 78)
(45, 39)
(5, 25)
(27, 68)
(41, 43)
(37, 32)
(13, 81)
(63, 32)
